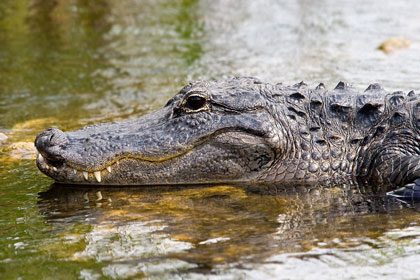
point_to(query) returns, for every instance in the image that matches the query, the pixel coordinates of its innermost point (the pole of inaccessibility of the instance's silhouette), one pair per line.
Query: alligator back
(345, 133)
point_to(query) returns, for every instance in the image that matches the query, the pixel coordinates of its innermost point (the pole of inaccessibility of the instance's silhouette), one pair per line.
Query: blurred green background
(68, 63)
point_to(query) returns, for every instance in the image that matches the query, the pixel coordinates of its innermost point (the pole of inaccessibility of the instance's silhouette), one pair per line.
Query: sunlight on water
(68, 63)
(126, 244)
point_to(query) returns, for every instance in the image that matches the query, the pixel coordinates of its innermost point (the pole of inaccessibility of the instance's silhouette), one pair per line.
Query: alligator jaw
(66, 171)
(78, 175)
(71, 174)
(204, 163)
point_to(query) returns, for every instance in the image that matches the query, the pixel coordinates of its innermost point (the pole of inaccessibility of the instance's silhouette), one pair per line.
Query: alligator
(243, 130)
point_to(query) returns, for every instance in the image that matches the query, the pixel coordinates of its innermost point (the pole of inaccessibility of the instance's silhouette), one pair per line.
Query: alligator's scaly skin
(244, 130)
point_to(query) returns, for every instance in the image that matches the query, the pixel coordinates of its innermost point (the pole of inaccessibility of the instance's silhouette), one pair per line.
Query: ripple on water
(396, 255)
(134, 240)
(70, 63)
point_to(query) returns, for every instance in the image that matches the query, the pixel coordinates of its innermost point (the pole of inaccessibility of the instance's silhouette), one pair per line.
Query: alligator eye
(195, 102)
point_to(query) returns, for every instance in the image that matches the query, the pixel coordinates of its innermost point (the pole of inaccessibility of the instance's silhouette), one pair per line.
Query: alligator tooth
(54, 168)
(97, 176)
(109, 168)
(86, 175)
(40, 157)
(99, 196)
(74, 171)
(47, 166)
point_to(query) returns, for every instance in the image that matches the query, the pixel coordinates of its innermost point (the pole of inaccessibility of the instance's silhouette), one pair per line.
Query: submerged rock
(21, 150)
(393, 44)
(3, 137)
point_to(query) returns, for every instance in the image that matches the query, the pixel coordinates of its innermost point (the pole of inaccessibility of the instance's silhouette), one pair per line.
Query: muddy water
(68, 63)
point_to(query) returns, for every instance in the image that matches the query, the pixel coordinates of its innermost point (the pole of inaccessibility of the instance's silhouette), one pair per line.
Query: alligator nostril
(57, 137)
(49, 144)
(51, 137)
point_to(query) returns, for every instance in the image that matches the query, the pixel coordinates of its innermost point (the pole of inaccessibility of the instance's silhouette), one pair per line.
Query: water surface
(68, 63)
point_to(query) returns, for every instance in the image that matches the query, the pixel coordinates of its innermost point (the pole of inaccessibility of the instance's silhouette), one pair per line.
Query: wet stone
(3, 137)
(22, 150)
(393, 44)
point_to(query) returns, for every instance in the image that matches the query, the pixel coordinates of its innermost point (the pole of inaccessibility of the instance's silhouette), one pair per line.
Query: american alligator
(246, 130)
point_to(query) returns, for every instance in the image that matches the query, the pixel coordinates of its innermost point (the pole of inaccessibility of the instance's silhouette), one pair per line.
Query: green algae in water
(70, 63)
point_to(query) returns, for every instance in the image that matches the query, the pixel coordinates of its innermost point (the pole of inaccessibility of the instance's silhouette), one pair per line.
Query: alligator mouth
(63, 170)
(68, 171)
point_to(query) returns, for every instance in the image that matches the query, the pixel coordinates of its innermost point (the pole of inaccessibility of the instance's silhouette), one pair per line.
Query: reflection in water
(201, 228)
(150, 55)
(67, 63)
(43, 26)
(48, 52)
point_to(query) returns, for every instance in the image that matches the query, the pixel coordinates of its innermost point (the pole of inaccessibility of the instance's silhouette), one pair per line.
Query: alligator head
(210, 132)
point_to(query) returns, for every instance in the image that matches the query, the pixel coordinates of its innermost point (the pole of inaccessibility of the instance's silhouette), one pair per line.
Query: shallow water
(68, 63)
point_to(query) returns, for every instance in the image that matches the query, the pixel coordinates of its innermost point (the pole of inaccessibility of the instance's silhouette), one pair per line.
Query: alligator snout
(49, 144)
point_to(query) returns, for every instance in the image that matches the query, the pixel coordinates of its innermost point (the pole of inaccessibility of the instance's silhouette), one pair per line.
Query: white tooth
(74, 171)
(40, 157)
(47, 166)
(99, 196)
(85, 174)
(109, 168)
(54, 168)
(86, 197)
(97, 176)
